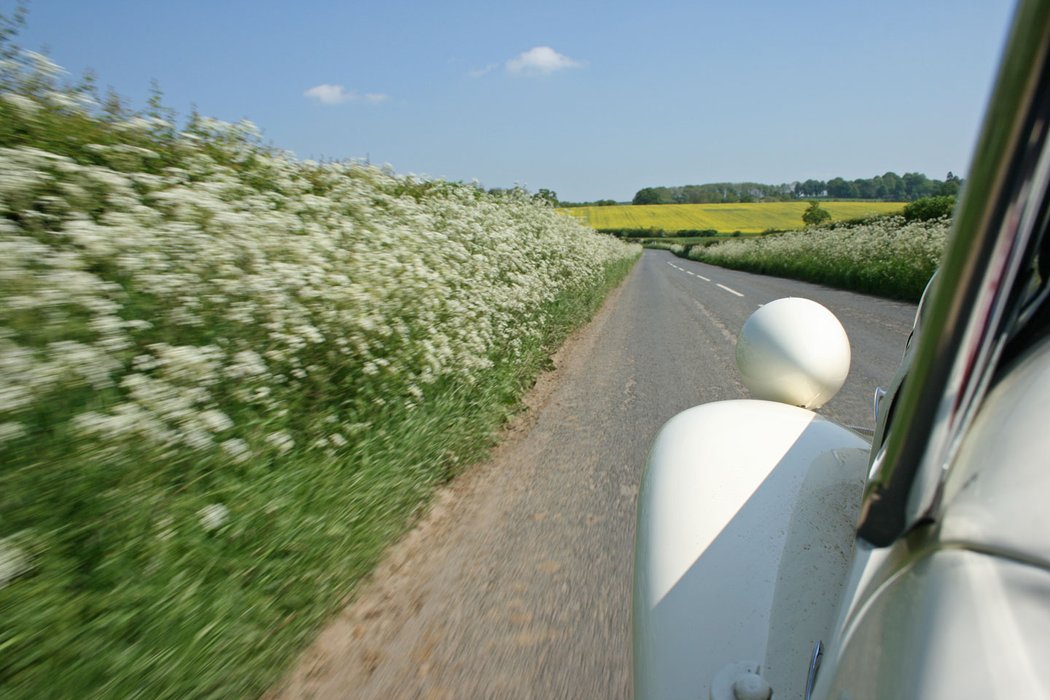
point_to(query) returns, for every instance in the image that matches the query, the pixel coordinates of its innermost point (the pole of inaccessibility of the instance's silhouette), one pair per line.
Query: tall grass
(228, 378)
(886, 256)
(676, 248)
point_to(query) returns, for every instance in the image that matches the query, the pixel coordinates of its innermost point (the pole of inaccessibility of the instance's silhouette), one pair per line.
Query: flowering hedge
(187, 297)
(227, 377)
(886, 256)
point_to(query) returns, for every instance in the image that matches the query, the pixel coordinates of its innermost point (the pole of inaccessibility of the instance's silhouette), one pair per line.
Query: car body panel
(995, 496)
(742, 543)
(951, 624)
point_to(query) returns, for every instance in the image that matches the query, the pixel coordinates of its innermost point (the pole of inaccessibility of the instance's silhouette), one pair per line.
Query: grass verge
(220, 610)
(884, 256)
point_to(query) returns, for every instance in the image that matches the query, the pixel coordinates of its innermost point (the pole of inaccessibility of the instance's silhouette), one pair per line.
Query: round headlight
(794, 351)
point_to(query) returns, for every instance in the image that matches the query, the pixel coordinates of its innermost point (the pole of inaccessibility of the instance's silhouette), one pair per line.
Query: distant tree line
(715, 192)
(550, 196)
(890, 187)
(595, 203)
(628, 232)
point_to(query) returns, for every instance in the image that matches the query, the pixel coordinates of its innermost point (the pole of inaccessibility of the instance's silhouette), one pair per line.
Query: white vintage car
(781, 555)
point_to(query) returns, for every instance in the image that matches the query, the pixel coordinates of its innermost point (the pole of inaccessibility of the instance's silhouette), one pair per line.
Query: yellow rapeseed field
(724, 218)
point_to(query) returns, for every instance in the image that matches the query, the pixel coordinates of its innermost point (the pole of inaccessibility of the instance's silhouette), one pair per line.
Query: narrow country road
(517, 583)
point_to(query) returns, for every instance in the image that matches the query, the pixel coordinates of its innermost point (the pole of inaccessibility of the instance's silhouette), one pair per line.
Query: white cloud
(479, 72)
(328, 94)
(541, 60)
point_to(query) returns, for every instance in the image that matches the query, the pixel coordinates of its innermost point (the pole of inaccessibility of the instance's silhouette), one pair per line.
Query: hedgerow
(886, 256)
(228, 378)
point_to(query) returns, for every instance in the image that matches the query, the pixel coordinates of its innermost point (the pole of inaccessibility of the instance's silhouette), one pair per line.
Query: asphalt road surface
(517, 584)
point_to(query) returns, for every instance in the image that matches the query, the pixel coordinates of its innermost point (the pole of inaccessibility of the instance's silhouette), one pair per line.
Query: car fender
(746, 527)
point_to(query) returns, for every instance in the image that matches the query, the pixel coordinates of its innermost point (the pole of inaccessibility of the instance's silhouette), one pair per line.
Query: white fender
(746, 520)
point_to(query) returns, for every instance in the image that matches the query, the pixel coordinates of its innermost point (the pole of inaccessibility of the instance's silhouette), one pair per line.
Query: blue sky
(590, 99)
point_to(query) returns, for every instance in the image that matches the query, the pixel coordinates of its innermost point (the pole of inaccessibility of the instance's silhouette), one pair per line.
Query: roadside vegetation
(888, 256)
(228, 379)
(814, 215)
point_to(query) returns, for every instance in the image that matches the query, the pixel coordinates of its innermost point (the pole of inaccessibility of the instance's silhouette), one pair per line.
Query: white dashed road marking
(705, 279)
(731, 291)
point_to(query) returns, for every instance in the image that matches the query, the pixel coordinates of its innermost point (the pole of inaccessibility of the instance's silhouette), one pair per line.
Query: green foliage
(656, 232)
(548, 196)
(928, 208)
(595, 203)
(650, 195)
(888, 256)
(676, 248)
(814, 215)
(952, 184)
(886, 187)
(715, 193)
(10, 26)
(228, 379)
(683, 247)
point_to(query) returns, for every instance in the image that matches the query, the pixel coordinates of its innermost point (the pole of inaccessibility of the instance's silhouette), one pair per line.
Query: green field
(724, 218)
